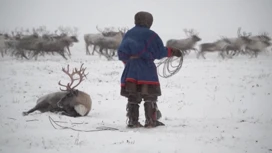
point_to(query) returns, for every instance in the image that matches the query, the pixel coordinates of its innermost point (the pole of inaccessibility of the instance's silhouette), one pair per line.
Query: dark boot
(151, 115)
(158, 112)
(133, 115)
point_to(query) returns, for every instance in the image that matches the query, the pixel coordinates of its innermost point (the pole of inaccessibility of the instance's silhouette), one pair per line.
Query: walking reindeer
(92, 39)
(238, 43)
(105, 40)
(219, 46)
(3, 39)
(70, 101)
(111, 43)
(225, 45)
(40, 42)
(185, 44)
(258, 44)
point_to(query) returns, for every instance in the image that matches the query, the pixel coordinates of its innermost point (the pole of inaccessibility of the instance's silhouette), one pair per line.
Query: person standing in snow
(139, 81)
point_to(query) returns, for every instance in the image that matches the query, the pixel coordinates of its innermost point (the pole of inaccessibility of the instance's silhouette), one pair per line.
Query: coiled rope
(170, 66)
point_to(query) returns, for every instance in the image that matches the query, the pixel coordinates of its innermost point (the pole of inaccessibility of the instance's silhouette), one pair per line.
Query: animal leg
(23, 55)
(69, 52)
(2, 53)
(42, 107)
(195, 50)
(237, 52)
(101, 51)
(113, 53)
(198, 54)
(107, 52)
(202, 54)
(62, 54)
(256, 54)
(87, 49)
(221, 54)
(35, 54)
(94, 47)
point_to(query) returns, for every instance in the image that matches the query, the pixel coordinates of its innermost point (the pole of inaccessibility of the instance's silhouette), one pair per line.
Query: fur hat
(143, 19)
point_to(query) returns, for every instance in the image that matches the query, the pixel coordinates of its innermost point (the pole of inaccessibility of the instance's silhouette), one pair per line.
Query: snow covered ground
(210, 106)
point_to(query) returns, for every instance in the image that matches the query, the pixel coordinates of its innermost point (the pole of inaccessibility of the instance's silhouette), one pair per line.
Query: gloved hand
(176, 52)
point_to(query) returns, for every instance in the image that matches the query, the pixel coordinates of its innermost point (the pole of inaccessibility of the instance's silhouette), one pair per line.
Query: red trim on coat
(140, 82)
(131, 80)
(148, 82)
(170, 53)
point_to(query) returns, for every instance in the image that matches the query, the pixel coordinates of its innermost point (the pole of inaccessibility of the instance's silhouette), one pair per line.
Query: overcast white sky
(211, 18)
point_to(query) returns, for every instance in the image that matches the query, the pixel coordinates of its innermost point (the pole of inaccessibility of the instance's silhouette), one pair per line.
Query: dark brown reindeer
(70, 101)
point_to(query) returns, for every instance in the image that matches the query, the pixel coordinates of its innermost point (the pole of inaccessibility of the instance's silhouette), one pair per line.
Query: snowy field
(210, 106)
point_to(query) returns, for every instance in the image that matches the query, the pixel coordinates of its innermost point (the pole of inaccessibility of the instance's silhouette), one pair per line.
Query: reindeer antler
(265, 34)
(74, 31)
(80, 73)
(239, 32)
(190, 32)
(186, 32)
(245, 34)
(123, 30)
(99, 30)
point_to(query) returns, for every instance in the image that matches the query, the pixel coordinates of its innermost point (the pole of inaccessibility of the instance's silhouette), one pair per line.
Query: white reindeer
(238, 43)
(185, 44)
(258, 44)
(220, 46)
(105, 40)
(92, 40)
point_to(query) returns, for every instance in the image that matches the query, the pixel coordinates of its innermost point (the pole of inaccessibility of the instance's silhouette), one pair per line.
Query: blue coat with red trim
(146, 45)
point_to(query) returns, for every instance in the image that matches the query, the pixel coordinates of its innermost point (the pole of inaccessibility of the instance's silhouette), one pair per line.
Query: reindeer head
(107, 32)
(264, 36)
(267, 43)
(245, 36)
(6, 36)
(74, 38)
(192, 34)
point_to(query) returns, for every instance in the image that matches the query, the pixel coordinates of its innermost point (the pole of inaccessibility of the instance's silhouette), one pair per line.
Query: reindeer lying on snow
(70, 102)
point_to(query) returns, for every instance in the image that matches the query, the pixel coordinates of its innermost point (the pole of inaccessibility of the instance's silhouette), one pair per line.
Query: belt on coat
(134, 57)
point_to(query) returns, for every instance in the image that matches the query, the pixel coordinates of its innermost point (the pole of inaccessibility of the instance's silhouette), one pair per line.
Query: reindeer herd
(26, 44)
(107, 40)
(243, 44)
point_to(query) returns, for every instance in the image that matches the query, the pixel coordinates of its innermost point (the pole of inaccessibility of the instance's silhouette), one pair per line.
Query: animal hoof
(25, 113)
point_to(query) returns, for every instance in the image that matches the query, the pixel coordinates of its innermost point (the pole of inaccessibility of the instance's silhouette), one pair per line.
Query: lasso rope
(101, 128)
(169, 68)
